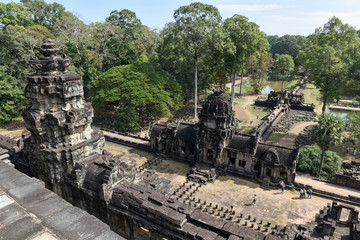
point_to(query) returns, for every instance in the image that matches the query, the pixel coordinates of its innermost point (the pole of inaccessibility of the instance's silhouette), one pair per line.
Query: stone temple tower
(216, 127)
(62, 143)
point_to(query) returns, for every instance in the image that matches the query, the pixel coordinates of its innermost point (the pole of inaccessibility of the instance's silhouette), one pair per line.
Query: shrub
(309, 162)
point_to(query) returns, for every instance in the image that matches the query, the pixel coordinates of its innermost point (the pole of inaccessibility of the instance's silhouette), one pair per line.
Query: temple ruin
(67, 154)
(213, 141)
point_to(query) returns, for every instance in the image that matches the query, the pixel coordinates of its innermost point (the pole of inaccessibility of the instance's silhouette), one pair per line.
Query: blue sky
(275, 17)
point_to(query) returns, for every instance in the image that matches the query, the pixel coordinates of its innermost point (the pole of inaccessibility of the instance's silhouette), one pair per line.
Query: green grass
(275, 137)
(342, 149)
(312, 95)
(292, 84)
(246, 88)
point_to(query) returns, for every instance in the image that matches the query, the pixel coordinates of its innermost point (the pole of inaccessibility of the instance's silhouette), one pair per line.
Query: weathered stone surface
(20, 229)
(10, 214)
(30, 194)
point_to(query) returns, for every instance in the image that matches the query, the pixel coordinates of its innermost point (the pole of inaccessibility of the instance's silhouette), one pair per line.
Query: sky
(275, 17)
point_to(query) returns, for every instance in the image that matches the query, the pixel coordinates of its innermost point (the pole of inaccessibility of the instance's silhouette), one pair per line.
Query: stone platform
(30, 211)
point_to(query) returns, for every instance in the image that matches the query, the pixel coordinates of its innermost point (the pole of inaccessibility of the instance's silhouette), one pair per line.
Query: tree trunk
(324, 106)
(241, 81)
(282, 84)
(233, 90)
(195, 92)
(321, 163)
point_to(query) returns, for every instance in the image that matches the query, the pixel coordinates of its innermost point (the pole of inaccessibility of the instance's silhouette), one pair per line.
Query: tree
(329, 131)
(328, 58)
(173, 56)
(14, 14)
(258, 69)
(140, 92)
(309, 162)
(287, 44)
(11, 95)
(283, 67)
(193, 25)
(44, 14)
(247, 39)
(131, 41)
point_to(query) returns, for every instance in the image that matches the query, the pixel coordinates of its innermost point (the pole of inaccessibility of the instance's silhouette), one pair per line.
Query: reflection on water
(342, 115)
(274, 86)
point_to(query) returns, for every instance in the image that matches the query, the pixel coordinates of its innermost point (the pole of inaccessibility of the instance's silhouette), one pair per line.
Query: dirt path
(341, 190)
(289, 138)
(244, 107)
(125, 138)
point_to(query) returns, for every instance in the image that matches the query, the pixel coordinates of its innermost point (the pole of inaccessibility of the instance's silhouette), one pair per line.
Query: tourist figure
(304, 191)
(301, 193)
(282, 188)
(251, 122)
(309, 193)
(254, 199)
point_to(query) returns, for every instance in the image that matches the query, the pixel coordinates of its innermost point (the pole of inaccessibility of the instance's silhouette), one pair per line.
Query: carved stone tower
(62, 143)
(216, 127)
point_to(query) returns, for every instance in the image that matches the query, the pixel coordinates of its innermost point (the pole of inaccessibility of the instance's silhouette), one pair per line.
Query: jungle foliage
(198, 49)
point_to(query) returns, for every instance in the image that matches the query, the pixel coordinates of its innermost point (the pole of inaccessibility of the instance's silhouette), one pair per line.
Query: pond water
(340, 114)
(274, 86)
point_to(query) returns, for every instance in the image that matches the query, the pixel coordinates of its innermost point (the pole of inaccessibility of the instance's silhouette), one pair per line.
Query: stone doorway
(210, 155)
(268, 172)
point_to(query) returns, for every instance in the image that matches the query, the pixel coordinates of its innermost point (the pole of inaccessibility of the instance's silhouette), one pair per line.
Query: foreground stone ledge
(27, 209)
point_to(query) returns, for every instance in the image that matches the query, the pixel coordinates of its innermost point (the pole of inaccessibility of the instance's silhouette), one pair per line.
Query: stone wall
(346, 181)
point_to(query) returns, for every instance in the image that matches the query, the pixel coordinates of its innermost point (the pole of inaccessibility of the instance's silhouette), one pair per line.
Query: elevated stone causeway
(30, 211)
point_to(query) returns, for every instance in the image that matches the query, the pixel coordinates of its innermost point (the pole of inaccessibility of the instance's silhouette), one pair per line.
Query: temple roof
(286, 155)
(186, 132)
(242, 143)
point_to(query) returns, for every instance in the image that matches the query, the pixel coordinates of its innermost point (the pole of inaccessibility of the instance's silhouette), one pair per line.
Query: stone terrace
(29, 211)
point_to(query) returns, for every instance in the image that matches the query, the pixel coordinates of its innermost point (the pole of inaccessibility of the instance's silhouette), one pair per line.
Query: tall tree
(14, 14)
(329, 131)
(193, 25)
(328, 58)
(132, 41)
(283, 67)
(248, 40)
(258, 69)
(44, 14)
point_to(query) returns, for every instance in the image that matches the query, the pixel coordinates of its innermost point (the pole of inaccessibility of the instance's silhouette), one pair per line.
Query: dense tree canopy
(287, 44)
(140, 92)
(247, 40)
(11, 96)
(329, 56)
(198, 49)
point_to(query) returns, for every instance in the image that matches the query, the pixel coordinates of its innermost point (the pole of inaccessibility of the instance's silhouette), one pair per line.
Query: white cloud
(246, 8)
